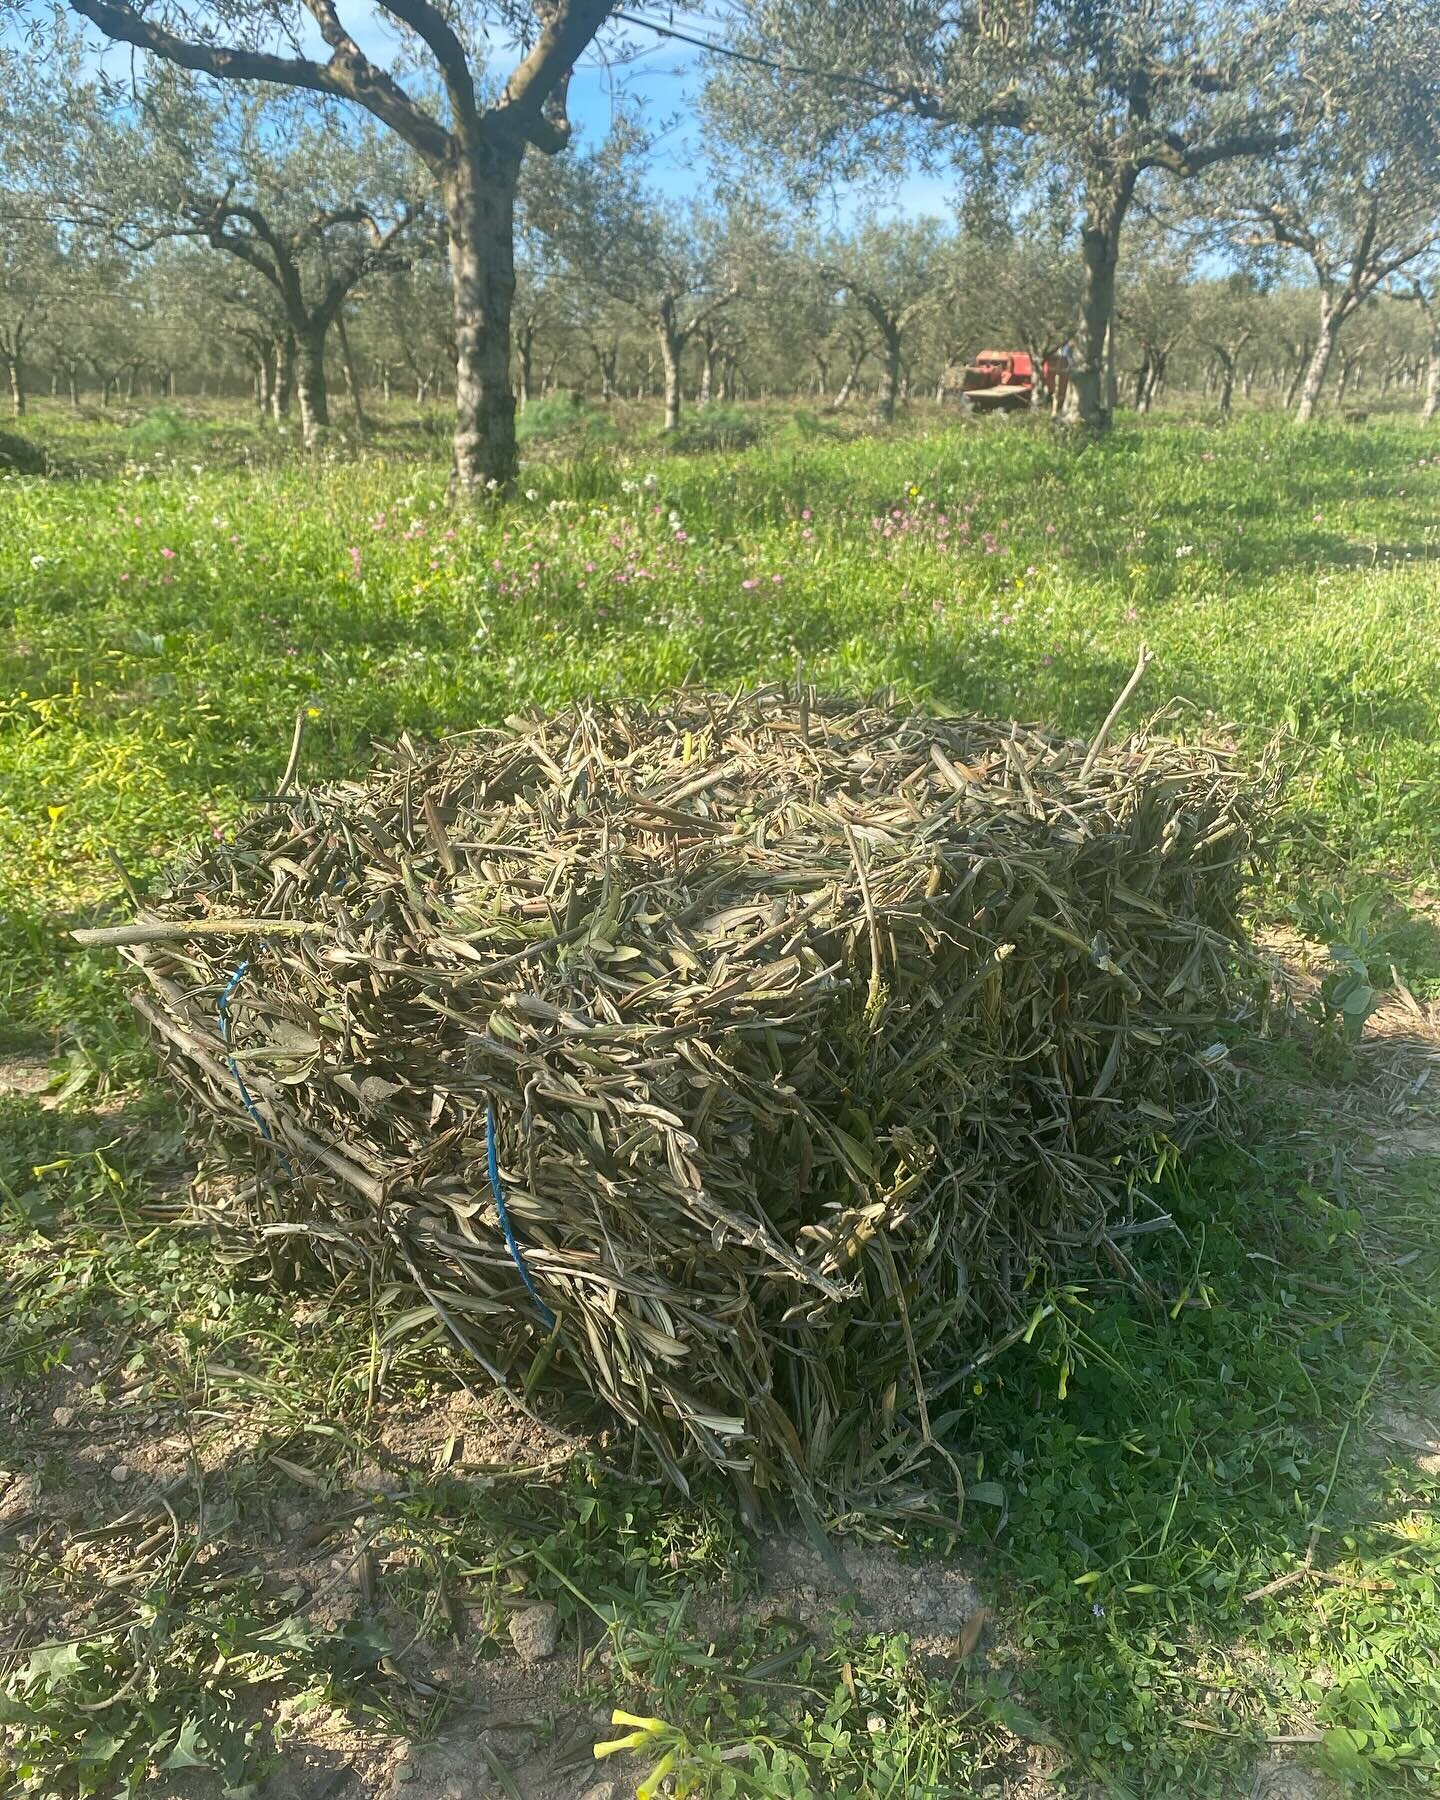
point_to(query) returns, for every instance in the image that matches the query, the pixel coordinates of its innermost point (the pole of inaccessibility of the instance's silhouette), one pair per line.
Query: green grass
(171, 598)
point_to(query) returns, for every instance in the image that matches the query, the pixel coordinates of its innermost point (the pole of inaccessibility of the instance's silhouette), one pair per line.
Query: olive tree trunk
(889, 391)
(1227, 380)
(1318, 368)
(352, 374)
(1431, 408)
(284, 383)
(1349, 366)
(671, 345)
(479, 193)
(707, 368)
(265, 379)
(606, 358)
(847, 386)
(1089, 399)
(310, 385)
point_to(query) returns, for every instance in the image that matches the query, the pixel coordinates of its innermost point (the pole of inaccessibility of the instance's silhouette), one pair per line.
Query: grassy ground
(169, 598)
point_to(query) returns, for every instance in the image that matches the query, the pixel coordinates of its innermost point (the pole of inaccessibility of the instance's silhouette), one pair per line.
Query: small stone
(602, 1790)
(63, 1415)
(120, 1472)
(534, 1632)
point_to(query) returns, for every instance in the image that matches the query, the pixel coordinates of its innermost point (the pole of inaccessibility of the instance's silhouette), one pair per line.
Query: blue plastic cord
(510, 1243)
(223, 1008)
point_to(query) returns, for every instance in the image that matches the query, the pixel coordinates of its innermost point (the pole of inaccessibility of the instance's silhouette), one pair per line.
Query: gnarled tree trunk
(606, 356)
(1431, 409)
(1349, 367)
(310, 384)
(1430, 311)
(1089, 399)
(852, 375)
(479, 192)
(1227, 379)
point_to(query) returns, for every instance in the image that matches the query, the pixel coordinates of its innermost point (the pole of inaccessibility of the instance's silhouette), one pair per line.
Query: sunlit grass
(163, 617)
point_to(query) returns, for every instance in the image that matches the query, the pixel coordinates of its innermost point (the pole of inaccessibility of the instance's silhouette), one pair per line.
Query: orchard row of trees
(282, 199)
(83, 320)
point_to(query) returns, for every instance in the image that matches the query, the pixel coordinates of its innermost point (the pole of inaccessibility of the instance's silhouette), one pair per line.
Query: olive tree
(894, 272)
(1363, 202)
(1225, 317)
(675, 267)
(31, 273)
(1098, 94)
(472, 137)
(308, 202)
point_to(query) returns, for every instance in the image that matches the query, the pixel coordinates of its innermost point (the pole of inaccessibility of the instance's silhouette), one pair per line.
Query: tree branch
(1003, 110)
(1179, 158)
(709, 309)
(349, 74)
(376, 257)
(538, 86)
(449, 53)
(122, 22)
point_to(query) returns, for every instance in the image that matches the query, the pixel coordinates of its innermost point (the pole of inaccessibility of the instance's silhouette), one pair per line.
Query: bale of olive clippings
(741, 1061)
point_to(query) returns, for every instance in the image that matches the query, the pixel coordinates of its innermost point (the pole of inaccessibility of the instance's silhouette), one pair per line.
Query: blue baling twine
(510, 1241)
(223, 1008)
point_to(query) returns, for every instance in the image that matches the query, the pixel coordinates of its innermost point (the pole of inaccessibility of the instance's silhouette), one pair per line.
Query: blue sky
(666, 79)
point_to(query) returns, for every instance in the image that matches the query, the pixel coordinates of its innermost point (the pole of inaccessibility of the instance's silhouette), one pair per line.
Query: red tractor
(1000, 380)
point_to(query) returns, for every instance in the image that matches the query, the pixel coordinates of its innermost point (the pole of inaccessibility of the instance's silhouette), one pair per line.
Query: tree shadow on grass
(1190, 1530)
